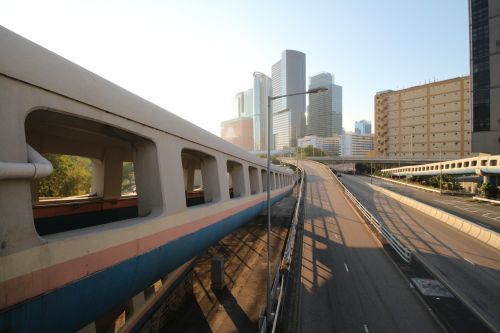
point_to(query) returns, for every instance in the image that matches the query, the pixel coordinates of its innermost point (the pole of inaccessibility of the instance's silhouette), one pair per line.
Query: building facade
(484, 29)
(238, 131)
(243, 104)
(288, 76)
(421, 121)
(324, 113)
(330, 145)
(352, 144)
(362, 127)
(262, 88)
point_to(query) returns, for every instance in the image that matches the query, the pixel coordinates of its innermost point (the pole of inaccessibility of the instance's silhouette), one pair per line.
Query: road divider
(401, 250)
(482, 234)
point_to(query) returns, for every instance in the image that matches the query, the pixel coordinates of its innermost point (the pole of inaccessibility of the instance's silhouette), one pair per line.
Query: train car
(66, 261)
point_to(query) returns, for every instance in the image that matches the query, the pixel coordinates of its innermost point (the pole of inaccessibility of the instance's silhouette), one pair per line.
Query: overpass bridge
(369, 159)
(481, 165)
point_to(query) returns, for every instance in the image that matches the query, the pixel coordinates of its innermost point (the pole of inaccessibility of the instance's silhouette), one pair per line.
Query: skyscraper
(324, 113)
(262, 88)
(289, 76)
(484, 29)
(243, 104)
(362, 127)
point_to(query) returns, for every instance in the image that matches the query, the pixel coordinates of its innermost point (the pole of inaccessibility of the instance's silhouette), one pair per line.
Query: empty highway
(349, 283)
(471, 267)
(481, 213)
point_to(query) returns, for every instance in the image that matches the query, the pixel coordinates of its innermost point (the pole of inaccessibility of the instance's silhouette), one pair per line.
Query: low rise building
(330, 145)
(238, 131)
(352, 144)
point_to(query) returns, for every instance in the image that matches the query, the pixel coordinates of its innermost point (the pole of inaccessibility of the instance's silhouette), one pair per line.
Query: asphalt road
(349, 283)
(471, 267)
(481, 213)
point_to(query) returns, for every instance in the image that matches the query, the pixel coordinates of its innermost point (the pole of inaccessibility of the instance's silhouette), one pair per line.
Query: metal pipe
(269, 313)
(36, 167)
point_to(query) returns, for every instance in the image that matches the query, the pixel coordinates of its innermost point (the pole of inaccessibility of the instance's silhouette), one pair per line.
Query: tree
(488, 190)
(72, 175)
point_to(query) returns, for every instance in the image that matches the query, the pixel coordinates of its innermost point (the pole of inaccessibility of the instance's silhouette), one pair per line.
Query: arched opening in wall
(102, 174)
(201, 180)
(264, 180)
(236, 179)
(253, 174)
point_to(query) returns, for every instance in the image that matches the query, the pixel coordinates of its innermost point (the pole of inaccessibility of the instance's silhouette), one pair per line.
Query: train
(66, 261)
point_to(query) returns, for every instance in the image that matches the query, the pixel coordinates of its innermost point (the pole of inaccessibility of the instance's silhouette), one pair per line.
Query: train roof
(28, 62)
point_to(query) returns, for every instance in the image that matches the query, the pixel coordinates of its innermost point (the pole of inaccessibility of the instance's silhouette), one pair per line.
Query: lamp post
(270, 99)
(440, 170)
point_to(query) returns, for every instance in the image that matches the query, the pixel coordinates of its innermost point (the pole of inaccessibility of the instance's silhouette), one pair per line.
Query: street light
(269, 112)
(440, 170)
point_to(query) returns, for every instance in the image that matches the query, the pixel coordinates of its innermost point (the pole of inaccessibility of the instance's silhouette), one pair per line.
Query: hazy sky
(191, 57)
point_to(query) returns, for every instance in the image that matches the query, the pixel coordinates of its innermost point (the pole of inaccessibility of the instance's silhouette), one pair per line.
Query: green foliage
(489, 190)
(72, 176)
(448, 182)
(128, 179)
(274, 159)
(311, 151)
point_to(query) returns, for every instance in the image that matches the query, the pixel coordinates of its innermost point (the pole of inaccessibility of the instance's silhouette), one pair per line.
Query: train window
(253, 174)
(102, 174)
(201, 180)
(236, 179)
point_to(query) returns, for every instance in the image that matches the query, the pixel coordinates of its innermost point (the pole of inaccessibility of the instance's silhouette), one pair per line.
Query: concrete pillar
(113, 174)
(190, 178)
(217, 272)
(97, 185)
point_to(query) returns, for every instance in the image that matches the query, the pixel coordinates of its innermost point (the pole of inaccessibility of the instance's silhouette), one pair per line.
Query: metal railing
(283, 267)
(400, 249)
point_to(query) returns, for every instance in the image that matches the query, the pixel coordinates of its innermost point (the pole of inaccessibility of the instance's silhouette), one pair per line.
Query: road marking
(346, 269)
(366, 329)
(470, 262)
(411, 286)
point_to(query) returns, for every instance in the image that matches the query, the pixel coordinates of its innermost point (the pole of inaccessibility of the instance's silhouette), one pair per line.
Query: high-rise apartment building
(352, 144)
(484, 29)
(324, 113)
(262, 88)
(289, 76)
(362, 127)
(420, 121)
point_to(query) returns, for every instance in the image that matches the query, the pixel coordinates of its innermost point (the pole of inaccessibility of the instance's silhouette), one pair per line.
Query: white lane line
(411, 286)
(470, 262)
(366, 329)
(346, 269)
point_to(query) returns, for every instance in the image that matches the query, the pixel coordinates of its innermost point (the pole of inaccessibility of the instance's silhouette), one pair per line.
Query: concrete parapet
(470, 228)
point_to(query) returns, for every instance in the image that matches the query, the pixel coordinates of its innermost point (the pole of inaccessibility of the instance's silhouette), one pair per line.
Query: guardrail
(283, 267)
(400, 249)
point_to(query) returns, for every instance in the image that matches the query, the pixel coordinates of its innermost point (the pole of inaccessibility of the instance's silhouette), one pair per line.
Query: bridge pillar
(490, 179)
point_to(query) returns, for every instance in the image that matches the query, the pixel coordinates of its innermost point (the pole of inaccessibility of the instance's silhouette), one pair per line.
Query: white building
(330, 145)
(289, 76)
(352, 144)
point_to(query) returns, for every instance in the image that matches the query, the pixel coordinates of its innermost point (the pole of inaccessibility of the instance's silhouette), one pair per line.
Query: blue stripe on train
(71, 307)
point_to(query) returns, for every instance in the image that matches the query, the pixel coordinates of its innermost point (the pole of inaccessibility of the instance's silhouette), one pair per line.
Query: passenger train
(66, 261)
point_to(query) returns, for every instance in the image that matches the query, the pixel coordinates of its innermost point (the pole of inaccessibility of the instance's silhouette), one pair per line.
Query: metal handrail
(400, 249)
(284, 265)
